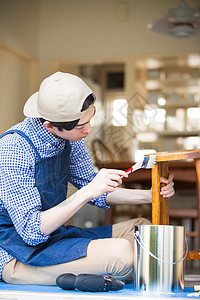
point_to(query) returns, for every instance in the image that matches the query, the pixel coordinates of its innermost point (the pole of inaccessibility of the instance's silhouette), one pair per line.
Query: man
(39, 156)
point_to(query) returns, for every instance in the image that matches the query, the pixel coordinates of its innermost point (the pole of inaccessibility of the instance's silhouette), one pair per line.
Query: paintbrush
(147, 162)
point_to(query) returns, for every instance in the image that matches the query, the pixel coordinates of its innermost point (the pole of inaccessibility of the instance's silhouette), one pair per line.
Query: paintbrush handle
(129, 171)
(133, 168)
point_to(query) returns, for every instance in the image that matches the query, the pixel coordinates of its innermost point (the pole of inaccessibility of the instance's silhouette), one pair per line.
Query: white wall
(82, 29)
(71, 30)
(14, 87)
(19, 25)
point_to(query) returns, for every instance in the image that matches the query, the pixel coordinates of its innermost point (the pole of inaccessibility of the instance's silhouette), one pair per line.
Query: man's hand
(105, 181)
(167, 191)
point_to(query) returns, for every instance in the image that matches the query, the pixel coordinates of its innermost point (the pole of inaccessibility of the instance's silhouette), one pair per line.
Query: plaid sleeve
(82, 171)
(18, 194)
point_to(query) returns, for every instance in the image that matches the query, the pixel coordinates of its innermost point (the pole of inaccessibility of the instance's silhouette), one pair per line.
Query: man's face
(81, 130)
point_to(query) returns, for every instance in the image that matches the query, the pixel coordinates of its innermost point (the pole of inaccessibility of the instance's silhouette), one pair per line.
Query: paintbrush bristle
(149, 161)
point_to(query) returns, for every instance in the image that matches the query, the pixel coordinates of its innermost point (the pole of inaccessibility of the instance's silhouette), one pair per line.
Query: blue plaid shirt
(18, 195)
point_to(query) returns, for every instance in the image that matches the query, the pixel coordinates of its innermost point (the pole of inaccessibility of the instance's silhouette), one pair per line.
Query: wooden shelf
(179, 133)
(172, 133)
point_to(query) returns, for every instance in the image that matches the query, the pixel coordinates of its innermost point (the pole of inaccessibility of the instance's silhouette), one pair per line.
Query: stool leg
(156, 194)
(197, 166)
(164, 201)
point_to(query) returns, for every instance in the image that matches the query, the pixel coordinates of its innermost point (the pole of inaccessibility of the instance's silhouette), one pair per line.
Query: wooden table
(160, 205)
(184, 172)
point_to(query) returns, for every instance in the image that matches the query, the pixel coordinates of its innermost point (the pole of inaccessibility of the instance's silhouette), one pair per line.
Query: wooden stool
(160, 205)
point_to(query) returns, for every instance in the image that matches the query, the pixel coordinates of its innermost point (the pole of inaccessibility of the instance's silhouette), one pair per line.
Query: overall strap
(24, 136)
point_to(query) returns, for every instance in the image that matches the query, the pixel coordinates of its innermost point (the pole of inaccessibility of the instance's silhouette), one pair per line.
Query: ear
(48, 126)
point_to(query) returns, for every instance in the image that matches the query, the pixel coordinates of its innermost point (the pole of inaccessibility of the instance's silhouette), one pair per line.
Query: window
(176, 119)
(119, 112)
(115, 80)
(193, 117)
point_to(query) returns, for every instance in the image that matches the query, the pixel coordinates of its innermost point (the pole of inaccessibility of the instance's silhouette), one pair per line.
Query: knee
(123, 251)
(143, 221)
(121, 259)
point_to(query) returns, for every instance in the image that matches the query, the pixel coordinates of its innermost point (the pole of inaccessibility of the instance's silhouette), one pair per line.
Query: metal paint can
(159, 258)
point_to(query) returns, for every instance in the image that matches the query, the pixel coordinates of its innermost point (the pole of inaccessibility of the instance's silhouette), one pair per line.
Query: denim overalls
(66, 243)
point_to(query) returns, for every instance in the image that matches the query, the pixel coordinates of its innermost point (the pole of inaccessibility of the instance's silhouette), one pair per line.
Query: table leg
(164, 201)
(197, 166)
(156, 194)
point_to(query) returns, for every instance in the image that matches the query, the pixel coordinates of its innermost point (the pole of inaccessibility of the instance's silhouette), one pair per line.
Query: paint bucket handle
(142, 245)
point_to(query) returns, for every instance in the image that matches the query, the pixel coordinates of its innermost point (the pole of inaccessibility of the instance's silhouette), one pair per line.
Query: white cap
(60, 98)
